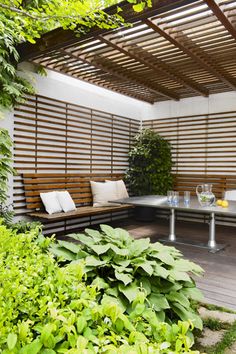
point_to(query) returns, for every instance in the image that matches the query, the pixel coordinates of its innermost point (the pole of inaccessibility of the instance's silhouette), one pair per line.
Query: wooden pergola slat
(176, 49)
(197, 57)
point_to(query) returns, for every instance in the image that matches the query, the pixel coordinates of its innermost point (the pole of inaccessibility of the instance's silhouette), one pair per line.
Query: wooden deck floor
(219, 281)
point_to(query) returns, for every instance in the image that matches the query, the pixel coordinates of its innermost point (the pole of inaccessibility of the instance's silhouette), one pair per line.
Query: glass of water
(175, 199)
(186, 198)
(170, 195)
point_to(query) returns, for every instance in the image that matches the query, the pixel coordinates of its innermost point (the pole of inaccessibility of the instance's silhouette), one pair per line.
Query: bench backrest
(78, 185)
(188, 182)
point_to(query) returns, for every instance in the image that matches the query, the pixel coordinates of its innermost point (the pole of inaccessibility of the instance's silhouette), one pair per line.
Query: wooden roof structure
(174, 50)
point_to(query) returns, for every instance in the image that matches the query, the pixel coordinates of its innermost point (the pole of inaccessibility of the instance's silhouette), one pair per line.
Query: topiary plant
(150, 164)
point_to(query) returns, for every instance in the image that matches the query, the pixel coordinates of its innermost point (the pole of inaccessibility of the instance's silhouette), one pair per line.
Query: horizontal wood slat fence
(203, 151)
(54, 136)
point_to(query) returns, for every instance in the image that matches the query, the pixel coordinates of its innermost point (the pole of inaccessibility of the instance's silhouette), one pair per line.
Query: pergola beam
(202, 59)
(108, 67)
(148, 59)
(222, 17)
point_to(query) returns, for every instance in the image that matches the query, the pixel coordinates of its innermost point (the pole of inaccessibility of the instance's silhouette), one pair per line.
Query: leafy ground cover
(49, 309)
(125, 270)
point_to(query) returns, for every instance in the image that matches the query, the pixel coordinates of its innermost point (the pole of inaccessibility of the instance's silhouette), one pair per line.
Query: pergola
(174, 50)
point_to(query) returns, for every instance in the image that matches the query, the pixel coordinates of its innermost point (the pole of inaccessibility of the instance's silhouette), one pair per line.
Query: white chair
(230, 195)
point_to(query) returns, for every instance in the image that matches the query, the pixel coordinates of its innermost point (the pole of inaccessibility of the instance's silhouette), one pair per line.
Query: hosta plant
(48, 309)
(122, 268)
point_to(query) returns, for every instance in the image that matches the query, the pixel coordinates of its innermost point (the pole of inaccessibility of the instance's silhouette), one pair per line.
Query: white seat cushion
(120, 188)
(50, 202)
(102, 192)
(65, 200)
(230, 195)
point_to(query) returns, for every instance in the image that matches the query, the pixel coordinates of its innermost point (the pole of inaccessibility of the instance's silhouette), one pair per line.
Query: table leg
(212, 245)
(212, 232)
(172, 236)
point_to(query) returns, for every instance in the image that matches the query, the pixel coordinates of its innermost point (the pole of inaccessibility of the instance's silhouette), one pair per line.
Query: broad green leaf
(100, 249)
(145, 284)
(115, 300)
(108, 230)
(62, 252)
(177, 275)
(96, 235)
(92, 261)
(193, 293)
(175, 296)
(11, 340)
(160, 271)
(130, 291)
(146, 266)
(121, 262)
(100, 283)
(164, 257)
(186, 315)
(125, 278)
(119, 251)
(71, 246)
(137, 247)
(158, 302)
(186, 266)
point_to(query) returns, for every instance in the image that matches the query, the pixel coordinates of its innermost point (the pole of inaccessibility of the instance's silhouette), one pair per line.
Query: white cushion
(102, 192)
(230, 195)
(65, 200)
(51, 202)
(120, 188)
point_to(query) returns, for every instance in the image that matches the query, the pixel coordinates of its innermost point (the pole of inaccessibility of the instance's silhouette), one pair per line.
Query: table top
(160, 202)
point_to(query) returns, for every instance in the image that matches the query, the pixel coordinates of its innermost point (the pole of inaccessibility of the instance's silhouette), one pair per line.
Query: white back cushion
(102, 192)
(51, 202)
(230, 195)
(120, 188)
(65, 200)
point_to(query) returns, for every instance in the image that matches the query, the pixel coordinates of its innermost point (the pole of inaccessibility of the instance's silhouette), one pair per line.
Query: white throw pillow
(120, 188)
(102, 192)
(65, 200)
(51, 202)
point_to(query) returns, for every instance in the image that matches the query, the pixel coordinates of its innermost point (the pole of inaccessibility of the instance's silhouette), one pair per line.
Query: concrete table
(160, 202)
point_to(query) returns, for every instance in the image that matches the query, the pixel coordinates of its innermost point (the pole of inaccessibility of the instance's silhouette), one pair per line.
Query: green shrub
(122, 267)
(47, 309)
(150, 164)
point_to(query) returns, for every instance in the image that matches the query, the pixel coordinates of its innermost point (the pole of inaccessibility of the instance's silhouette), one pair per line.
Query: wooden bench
(78, 185)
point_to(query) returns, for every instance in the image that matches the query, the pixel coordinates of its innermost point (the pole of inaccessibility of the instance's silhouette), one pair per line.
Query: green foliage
(47, 309)
(23, 226)
(5, 163)
(214, 324)
(126, 270)
(150, 164)
(6, 213)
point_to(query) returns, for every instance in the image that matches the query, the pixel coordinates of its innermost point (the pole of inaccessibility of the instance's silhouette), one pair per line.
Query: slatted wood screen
(61, 137)
(203, 150)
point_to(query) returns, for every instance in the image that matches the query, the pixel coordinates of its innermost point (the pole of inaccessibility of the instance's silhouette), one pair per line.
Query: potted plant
(149, 171)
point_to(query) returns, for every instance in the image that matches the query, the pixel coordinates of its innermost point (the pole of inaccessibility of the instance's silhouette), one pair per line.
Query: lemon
(219, 202)
(225, 204)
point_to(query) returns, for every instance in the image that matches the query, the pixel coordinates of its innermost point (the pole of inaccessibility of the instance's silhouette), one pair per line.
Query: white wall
(220, 102)
(76, 91)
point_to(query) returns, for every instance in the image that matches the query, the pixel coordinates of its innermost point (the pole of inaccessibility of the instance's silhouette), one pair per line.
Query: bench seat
(79, 212)
(77, 184)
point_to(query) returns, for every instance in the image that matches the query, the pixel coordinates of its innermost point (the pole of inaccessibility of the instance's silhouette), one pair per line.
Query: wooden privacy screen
(203, 150)
(61, 137)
